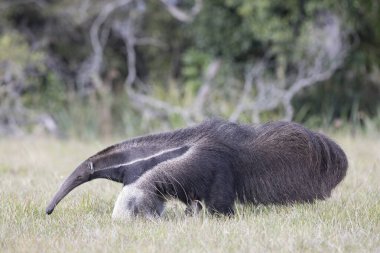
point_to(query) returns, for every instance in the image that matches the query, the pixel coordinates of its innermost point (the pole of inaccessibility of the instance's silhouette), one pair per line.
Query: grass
(32, 169)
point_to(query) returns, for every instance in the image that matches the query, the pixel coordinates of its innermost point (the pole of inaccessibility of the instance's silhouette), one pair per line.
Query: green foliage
(53, 39)
(15, 50)
(194, 62)
(224, 33)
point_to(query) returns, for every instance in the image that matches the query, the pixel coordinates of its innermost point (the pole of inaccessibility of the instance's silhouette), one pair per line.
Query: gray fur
(216, 162)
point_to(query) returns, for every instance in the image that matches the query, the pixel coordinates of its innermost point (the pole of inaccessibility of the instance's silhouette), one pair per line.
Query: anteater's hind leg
(222, 195)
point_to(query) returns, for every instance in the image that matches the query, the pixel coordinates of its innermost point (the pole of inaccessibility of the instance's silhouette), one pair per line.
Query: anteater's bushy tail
(293, 164)
(333, 162)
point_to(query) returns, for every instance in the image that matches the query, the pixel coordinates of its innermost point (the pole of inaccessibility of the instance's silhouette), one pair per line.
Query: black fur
(219, 162)
(274, 163)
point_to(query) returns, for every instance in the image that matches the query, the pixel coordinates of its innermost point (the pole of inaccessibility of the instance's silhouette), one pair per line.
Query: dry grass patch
(32, 169)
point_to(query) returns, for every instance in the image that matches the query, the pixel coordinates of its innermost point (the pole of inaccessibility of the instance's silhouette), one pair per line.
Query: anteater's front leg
(202, 174)
(134, 201)
(193, 207)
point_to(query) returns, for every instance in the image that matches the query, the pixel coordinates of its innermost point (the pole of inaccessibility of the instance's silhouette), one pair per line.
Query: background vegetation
(123, 67)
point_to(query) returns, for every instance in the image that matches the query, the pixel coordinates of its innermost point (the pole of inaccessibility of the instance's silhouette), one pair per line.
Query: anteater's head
(82, 174)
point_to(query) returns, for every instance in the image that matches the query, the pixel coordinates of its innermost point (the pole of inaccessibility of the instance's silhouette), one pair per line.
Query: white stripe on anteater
(167, 151)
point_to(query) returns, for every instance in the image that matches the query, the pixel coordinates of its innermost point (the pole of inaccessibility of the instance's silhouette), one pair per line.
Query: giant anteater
(216, 162)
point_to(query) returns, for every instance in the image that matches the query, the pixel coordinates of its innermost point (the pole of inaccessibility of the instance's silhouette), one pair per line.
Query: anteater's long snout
(74, 180)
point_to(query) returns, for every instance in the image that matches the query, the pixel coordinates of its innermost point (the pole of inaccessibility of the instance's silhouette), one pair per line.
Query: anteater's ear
(91, 168)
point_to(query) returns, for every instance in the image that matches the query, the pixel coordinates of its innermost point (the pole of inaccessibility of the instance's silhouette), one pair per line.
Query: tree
(175, 62)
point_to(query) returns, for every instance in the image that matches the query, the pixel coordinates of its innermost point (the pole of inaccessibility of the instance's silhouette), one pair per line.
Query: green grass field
(32, 169)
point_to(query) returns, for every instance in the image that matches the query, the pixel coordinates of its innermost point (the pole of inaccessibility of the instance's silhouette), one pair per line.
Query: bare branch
(127, 31)
(157, 104)
(90, 70)
(204, 90)
(324, 55)
(331, 52)
(83, 8)
(151, 42)
(100, 19)
(180, 14)
(250, 75)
